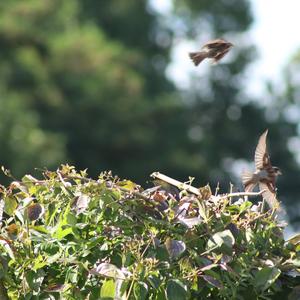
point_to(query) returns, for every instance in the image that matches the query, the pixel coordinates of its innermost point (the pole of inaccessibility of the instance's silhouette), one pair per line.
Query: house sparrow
(214, 49)
(264, 175)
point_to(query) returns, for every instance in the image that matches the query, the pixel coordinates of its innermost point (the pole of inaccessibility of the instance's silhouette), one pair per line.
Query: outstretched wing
(262, 158)
(269, 196)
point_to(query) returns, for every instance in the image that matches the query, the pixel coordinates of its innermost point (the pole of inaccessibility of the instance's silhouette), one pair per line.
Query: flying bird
(265, 174)
(214, 49)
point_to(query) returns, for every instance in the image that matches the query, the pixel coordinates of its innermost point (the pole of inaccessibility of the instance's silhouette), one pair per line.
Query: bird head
(277, 171)
(230, 45)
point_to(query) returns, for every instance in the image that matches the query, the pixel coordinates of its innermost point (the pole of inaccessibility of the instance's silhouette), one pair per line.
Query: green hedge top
(71, 237)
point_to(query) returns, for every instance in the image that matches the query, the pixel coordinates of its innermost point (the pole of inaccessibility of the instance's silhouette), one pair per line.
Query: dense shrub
(71, 237)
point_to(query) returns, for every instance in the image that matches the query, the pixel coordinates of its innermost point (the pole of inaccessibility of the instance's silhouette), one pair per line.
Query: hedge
(67, 236)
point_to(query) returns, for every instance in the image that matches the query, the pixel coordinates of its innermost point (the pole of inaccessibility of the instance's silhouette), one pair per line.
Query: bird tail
(197, 57)
(247, 179)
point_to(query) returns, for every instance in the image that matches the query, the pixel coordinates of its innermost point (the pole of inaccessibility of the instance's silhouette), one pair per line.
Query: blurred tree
(85, 81)
(229, 123)
(286, 110)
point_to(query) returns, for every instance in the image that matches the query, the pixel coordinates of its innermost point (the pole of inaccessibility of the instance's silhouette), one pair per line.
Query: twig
(178, 184)
(240, 194)
(196, 191)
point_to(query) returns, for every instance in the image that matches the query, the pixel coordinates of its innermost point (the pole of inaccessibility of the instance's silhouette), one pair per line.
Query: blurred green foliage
(85, 82)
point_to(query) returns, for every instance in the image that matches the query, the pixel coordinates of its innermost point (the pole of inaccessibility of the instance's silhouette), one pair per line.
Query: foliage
(71, 237)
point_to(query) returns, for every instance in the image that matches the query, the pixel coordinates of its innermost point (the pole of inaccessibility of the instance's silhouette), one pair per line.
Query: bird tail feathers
(247, 179)
(197, 57)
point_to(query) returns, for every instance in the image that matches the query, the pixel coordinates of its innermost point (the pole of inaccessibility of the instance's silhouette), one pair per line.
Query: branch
(240, 194)
(193, 190)
(178, 184)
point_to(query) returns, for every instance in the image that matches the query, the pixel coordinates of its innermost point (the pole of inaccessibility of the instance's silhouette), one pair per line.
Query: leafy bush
(71, 237)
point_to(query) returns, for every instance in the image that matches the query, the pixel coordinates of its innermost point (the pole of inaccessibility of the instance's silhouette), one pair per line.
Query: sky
(274, 32)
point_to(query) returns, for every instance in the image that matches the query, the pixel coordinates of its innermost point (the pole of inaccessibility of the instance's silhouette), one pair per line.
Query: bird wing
(261, 157)
(214, 43)
(221, 54)
(269, 196)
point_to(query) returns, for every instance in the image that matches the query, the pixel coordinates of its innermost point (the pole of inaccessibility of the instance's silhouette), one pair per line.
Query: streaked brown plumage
(264, 175)
(214, 49)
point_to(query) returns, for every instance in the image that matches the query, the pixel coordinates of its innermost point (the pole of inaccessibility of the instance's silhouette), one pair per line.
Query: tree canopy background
(84, 82)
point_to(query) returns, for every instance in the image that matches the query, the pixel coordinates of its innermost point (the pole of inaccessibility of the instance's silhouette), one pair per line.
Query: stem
(130, 289)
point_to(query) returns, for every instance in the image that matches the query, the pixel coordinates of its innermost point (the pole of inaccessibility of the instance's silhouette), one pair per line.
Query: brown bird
(264, 175)
(214, 49)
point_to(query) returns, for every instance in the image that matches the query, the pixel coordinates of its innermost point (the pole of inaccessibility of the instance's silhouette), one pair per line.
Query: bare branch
(242, 194)
(178, 184)
(193, 190)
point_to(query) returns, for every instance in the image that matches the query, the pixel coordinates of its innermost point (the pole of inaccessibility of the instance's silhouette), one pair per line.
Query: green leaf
(72, 275)
(160, 294)
(265, 277)
(245, 205)
(154, 281)
(66, 221)
(140, 290)
(53, 258)
(219, 239)
(174, 247)
(176, 290)
(108, 289)
(60, 233)
(296, 262)
(39, 263)
(127, 184)
(213, 281)
(39, 228)
(108, 270)
(35, 279)
(10, 205)
(7, 248)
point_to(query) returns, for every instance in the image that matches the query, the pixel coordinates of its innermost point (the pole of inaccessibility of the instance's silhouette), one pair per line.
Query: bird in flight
(265, 174)
(214, 49)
